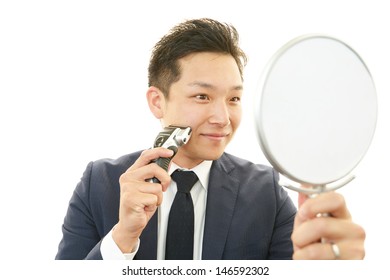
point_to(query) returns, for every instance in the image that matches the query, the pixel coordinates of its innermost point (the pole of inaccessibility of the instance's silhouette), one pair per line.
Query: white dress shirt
(110, 250)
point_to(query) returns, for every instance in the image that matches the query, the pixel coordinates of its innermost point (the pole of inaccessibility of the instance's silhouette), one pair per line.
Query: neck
(186, 162)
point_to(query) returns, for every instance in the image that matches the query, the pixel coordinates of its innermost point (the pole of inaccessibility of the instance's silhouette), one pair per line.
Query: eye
(202, 97)
(236, 99)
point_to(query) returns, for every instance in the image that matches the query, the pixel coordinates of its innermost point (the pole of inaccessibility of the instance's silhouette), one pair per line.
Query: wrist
(125, 242)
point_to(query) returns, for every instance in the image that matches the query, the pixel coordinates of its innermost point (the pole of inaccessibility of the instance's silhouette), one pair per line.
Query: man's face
(206, 98)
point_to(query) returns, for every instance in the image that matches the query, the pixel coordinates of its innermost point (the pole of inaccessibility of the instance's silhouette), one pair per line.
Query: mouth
(215, 136)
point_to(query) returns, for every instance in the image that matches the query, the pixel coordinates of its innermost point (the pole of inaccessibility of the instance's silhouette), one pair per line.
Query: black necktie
(180, 232)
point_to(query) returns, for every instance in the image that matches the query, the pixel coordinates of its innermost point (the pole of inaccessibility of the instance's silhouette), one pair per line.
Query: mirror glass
(317, 110)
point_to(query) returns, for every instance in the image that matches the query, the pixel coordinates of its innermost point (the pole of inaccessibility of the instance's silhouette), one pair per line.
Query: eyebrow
(210, 86)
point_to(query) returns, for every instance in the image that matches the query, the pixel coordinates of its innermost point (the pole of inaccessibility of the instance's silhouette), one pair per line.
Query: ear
(156, 101)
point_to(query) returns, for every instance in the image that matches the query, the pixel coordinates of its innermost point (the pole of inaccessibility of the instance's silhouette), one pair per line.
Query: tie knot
(184, 180)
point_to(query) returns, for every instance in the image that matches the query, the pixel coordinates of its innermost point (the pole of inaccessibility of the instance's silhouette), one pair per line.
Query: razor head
(173, 136)
(182, 135)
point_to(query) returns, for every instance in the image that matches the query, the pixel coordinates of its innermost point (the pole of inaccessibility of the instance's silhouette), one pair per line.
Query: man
(195, 80)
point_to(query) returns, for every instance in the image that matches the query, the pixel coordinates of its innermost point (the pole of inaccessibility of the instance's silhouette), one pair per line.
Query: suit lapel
(221, 199)
(148, 240)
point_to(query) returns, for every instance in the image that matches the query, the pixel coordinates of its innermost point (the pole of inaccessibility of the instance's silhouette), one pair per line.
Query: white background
(73, 78)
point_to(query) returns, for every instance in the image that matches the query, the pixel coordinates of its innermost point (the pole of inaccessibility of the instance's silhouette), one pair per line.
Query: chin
(213, 155)
(200, 153)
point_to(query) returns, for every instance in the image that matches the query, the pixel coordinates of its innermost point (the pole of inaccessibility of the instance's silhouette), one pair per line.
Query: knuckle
(357, 251)
(339, 199)
(294, 238)
(313, 253)
(321, 225)
(362, 252)
(126, 196)
(125, 182)
(144, 153)
(122, 178)
(360, 232)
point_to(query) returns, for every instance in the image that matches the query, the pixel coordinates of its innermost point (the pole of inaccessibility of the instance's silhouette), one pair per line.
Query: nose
(219, 114)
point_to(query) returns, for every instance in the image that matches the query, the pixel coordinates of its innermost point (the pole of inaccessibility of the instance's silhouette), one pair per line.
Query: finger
(140, 175)
(345, 250)
(301, 199)
(328, 228)
(332, 203)
(152, 188)
(137, 202)
(150, 208)
(148, 155)
(315, 251)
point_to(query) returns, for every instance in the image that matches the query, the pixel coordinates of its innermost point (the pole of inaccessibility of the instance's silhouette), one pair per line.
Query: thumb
(301, 199)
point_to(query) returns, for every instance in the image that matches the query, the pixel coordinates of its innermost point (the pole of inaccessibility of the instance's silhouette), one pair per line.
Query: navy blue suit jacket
(248, 215)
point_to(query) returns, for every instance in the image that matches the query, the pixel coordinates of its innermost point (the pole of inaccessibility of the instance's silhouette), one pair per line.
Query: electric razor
(171, 137)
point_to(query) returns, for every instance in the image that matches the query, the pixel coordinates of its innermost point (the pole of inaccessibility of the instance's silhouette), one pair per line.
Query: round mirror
(317, 110)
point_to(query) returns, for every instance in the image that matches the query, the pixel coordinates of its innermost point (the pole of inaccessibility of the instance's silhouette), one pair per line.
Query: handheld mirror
(317, 111)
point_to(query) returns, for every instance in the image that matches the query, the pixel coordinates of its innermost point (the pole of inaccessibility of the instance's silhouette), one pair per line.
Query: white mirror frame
(342, 119)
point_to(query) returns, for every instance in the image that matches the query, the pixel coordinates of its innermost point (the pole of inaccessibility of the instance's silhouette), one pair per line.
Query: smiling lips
(215, 136)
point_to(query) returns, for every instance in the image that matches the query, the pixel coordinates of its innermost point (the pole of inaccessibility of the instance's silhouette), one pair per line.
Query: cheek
(235, 117)
(183, 115)
(191, 113)
(194, 119)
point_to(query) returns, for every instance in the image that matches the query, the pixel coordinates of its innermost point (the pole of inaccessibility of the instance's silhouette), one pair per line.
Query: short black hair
(191, 36)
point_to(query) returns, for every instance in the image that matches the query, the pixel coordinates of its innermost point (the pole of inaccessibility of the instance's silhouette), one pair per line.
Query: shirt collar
(202, 170)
